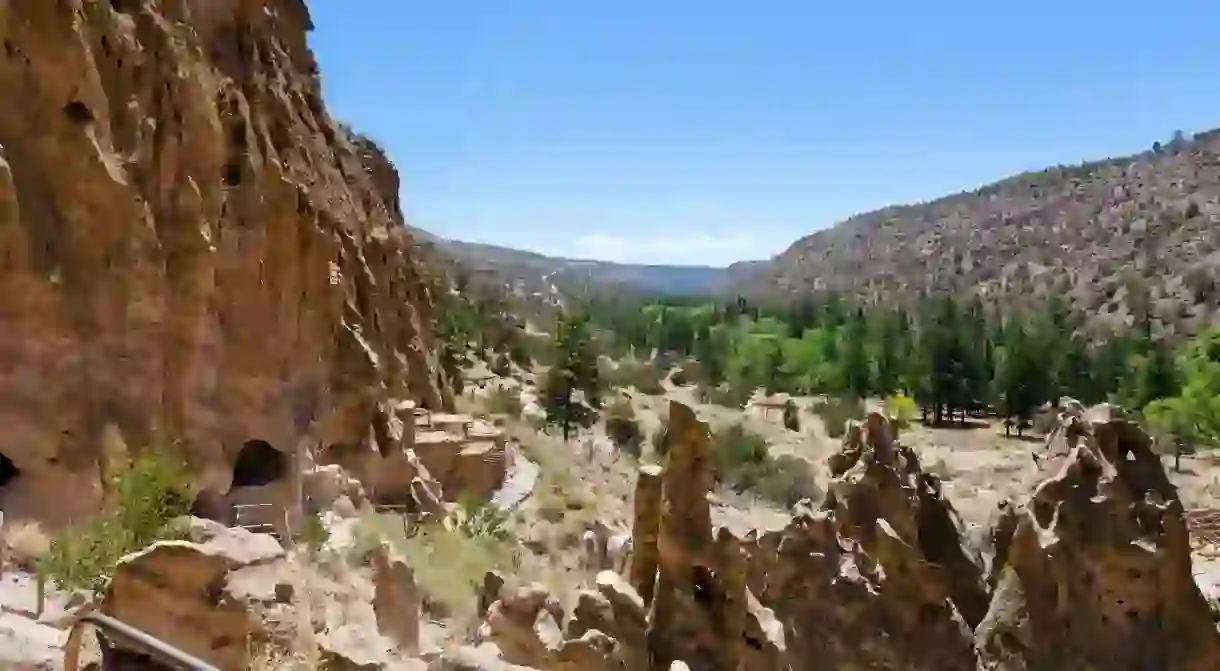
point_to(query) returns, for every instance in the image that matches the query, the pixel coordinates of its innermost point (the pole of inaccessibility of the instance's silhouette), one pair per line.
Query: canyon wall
(192, 252)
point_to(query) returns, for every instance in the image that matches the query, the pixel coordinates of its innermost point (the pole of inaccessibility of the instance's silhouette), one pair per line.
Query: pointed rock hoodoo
(1097, 573)
(855, 584)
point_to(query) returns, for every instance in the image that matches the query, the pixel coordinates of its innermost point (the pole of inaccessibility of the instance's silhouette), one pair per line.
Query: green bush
(148, 492)
(901, 410)
(478, 519)
(737, 453)
(623, 428)
(313, 534)
(744, 463)
(645, 377)
(836, 411)
(503, 401)
(787, 480)
(519, 352)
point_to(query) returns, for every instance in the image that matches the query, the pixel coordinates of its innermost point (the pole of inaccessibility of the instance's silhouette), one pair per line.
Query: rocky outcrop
(180, 592)
(1096, 572)
(873, 579)
(396, 601)
(1093, 572)
(191, 249)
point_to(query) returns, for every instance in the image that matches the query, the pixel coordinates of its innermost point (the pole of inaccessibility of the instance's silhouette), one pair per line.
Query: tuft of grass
(503, 401)
(148, 493)
(313, 535)
(449, 560)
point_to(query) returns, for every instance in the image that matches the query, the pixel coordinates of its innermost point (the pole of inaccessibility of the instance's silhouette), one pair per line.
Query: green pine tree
(575, 369)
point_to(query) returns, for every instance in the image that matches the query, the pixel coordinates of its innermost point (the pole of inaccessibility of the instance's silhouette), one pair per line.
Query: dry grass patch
(449, 561)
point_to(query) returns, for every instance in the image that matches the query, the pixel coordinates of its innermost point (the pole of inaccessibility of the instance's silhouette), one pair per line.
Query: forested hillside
(1115, 238)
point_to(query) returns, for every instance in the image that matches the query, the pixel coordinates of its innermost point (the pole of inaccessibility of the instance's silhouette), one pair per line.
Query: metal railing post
(147, 643)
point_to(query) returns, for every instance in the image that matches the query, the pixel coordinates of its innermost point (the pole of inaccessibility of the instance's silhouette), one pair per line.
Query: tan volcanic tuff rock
(1097, 569)
(190, 247)
(180, 592)
(860, 583)
(851, 586)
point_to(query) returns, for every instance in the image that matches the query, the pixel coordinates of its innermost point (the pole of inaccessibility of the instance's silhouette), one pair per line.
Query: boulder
(178, 591)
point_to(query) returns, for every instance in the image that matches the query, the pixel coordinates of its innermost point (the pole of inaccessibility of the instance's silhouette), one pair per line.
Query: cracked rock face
(1097, 569)
(191, 249)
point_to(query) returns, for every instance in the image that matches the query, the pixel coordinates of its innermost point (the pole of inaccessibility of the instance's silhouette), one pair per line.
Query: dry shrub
(836, 411)
(503, 401)
(623, 428)
(744, 462)
(22, 544)
(788, 480)
(644, 376)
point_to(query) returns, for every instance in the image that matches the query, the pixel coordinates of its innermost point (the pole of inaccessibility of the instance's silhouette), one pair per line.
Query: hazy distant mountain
(536, 272)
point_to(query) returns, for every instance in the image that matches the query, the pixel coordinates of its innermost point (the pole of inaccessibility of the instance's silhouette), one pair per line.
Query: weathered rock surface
(1097, 568)
(1093, 572)
(861, 583)
(396, 600)
(191, 249)
(179, 592)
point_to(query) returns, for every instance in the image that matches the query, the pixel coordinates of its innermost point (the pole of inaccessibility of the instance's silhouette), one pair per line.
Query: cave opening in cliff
(259, 464)
(8, 473)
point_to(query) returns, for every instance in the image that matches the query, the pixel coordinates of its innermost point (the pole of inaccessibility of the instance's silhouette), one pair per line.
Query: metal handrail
(149, 644)
(256, 527)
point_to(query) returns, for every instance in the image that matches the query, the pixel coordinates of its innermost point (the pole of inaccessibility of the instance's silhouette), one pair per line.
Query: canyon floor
(553, 494)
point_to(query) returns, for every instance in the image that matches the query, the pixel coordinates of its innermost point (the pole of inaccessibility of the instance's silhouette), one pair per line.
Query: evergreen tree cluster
(954, 356)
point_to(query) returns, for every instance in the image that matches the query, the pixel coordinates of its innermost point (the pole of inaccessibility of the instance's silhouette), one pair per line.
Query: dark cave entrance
(259, 464)
(8, 470)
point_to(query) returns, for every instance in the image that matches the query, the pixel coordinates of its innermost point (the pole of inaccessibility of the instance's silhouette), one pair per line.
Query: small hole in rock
(78, 112)
(232, 174)
(259, 464)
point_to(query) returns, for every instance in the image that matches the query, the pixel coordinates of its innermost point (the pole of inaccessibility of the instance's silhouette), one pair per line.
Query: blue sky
(705, 132)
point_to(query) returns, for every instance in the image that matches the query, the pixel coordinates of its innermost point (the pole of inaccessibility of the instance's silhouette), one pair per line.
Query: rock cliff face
(191, 250)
